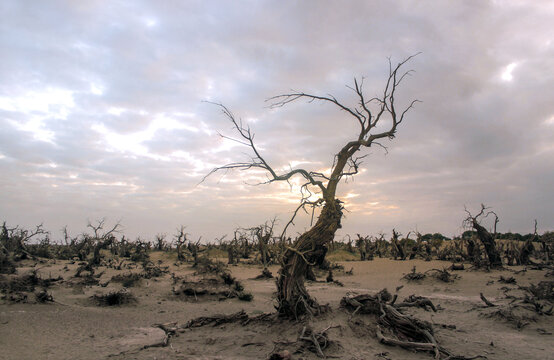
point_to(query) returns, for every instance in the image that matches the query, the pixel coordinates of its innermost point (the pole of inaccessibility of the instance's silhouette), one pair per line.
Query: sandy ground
(75, 328)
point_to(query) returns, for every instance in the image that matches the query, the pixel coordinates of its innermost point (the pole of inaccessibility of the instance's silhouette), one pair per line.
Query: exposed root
(414, 275)
(456, 267)
(509, 280)
(487, 302)
(417, 301)
(395, 328)
(442, 275)
(512, 314)
(266, 274)
(544, 290)
(239, 317)
(315, 342)
(536, 300)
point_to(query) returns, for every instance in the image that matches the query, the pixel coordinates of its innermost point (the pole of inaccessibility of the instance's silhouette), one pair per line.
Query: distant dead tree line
(261, 245)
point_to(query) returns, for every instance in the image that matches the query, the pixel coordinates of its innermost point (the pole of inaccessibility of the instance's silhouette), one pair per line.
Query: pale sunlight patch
(96, 89)
(199, 165)
(209, 84)
(39, 107)
(115, 183)
(40, 101)
(123, 143)
(150, 22)
(41, 175)
(116, 111)
(37, 128)
(132, 143)
(507, 73)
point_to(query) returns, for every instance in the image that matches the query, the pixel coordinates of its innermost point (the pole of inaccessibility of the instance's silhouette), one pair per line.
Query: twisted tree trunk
(293, 299)
(488, 242)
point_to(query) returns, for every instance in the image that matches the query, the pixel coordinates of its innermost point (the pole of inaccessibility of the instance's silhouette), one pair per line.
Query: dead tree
(15, 240)
(263, 234)
(472, 249)
(194, 249)
(381, 245)
(365, 247)
(180, 240)
(361, 246)
(528, 248)
(244, 247)
(349, 247)
(397, 247)
(233, 251)
(370, 114)
(102, 239)
(160, 242)
(486, 238)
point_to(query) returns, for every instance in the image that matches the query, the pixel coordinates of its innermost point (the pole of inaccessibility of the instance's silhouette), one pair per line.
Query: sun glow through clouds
(507, 73)
(133, 143)
(39, 107)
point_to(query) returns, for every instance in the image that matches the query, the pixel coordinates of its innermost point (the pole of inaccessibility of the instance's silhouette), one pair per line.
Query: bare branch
(257, 161)
(368, 114)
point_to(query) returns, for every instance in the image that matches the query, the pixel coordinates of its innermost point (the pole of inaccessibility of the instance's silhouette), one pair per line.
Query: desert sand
(73, 326)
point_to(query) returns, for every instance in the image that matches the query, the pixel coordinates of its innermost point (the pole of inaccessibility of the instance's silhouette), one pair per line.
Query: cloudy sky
(102, 112)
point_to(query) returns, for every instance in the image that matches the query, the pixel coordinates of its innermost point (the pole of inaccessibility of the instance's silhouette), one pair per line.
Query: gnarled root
(395, 328)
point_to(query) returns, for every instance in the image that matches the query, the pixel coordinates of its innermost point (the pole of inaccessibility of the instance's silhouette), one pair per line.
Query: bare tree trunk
(488, 242)
(292, 297)
(368, 113)
(399, 250)
(471, 251)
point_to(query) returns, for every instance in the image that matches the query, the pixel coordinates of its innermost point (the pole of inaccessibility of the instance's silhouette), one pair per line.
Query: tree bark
(293, 299)
(488, 242)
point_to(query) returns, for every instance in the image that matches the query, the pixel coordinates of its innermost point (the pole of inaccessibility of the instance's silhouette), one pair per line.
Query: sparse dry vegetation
(101, 272)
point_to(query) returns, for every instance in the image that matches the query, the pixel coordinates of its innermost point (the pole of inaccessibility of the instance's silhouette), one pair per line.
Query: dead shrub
(414, 275)
(43, 296)
(515, 315)
(507, 280)
(153, 271)
(442, 275)
(7, 266)
(114, 298)
(544, 290)
(207, 266)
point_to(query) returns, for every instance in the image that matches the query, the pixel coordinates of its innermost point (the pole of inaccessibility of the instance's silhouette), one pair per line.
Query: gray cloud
(101, 110)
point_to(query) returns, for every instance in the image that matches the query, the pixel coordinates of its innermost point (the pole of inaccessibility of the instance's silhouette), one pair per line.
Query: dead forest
(261, 292)
(105, 261)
